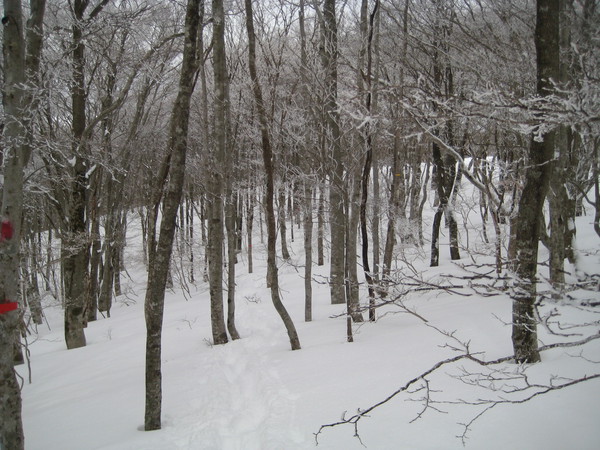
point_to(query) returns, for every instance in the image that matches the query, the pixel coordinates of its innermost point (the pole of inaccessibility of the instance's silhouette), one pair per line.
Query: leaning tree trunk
(159, 265)
(537, 177)
(269, 172)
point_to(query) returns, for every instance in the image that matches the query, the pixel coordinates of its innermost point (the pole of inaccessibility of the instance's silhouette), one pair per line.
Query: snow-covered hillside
(256, 394)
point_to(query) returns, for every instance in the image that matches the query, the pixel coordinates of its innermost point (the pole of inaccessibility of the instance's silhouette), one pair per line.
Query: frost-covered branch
(511, 386)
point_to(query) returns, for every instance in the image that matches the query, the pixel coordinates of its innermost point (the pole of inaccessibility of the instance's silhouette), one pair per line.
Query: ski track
(248, 406)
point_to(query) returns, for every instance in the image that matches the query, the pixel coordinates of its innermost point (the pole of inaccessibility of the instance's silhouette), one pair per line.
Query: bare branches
(353, 420)
(506, 382)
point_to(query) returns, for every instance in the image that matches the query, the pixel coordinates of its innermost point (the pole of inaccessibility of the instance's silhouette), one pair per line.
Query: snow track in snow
(241, 403)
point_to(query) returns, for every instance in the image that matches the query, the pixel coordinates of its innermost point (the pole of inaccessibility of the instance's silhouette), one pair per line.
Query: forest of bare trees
(212, 121)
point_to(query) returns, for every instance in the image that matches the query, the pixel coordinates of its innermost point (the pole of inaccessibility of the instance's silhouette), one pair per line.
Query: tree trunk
(562, 202)
(249, 226)
(308, 232)
(189, 220)
(337, 222)
(95, 257)
(33, 291)
(269, 173)
(159, 265)
(437, 218)
(367, 27)
(11, 426)
(230, 223)
(393, 212)
(320, 227)
(21, 64)
(215, 187)
(524, 333)
(376, 210)
(75, 239)
(354, 216)
(307, 190)
(285, 253)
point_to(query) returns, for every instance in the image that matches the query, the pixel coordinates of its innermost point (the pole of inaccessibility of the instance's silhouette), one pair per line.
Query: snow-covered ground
(256, 394)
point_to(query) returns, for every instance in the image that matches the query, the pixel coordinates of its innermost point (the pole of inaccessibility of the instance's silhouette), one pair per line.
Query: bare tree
(537, 175)
(216, 176)
(21, 64)
(335, 162)
(160, 261)
(269, 173)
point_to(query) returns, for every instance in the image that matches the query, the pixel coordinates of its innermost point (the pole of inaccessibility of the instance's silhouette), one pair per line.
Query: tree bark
(21, 64)
(308, 232)
(393, 212)
(354, 209)
(75, 239)
(250, 226)
(320, 227)
(11, 426)
(307, 170)
(281, 219)
(367, 26)
(562, 202)
(337, 222)
(524, 327)
(159, 266)
(230, 224)
(216, 176)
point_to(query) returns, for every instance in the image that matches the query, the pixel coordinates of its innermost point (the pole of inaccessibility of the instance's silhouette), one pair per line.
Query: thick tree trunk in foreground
(159, 265)
(11, 426)
(269, 172)
(16, 151)
(75, 245)
(524, 328)
(215, 187)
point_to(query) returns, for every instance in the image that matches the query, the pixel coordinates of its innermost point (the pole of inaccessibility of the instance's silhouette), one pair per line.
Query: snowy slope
(257, 394)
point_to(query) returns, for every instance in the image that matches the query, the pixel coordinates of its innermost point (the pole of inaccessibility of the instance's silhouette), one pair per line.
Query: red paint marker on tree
(7, 307)
(6, 230)
(6, 234)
